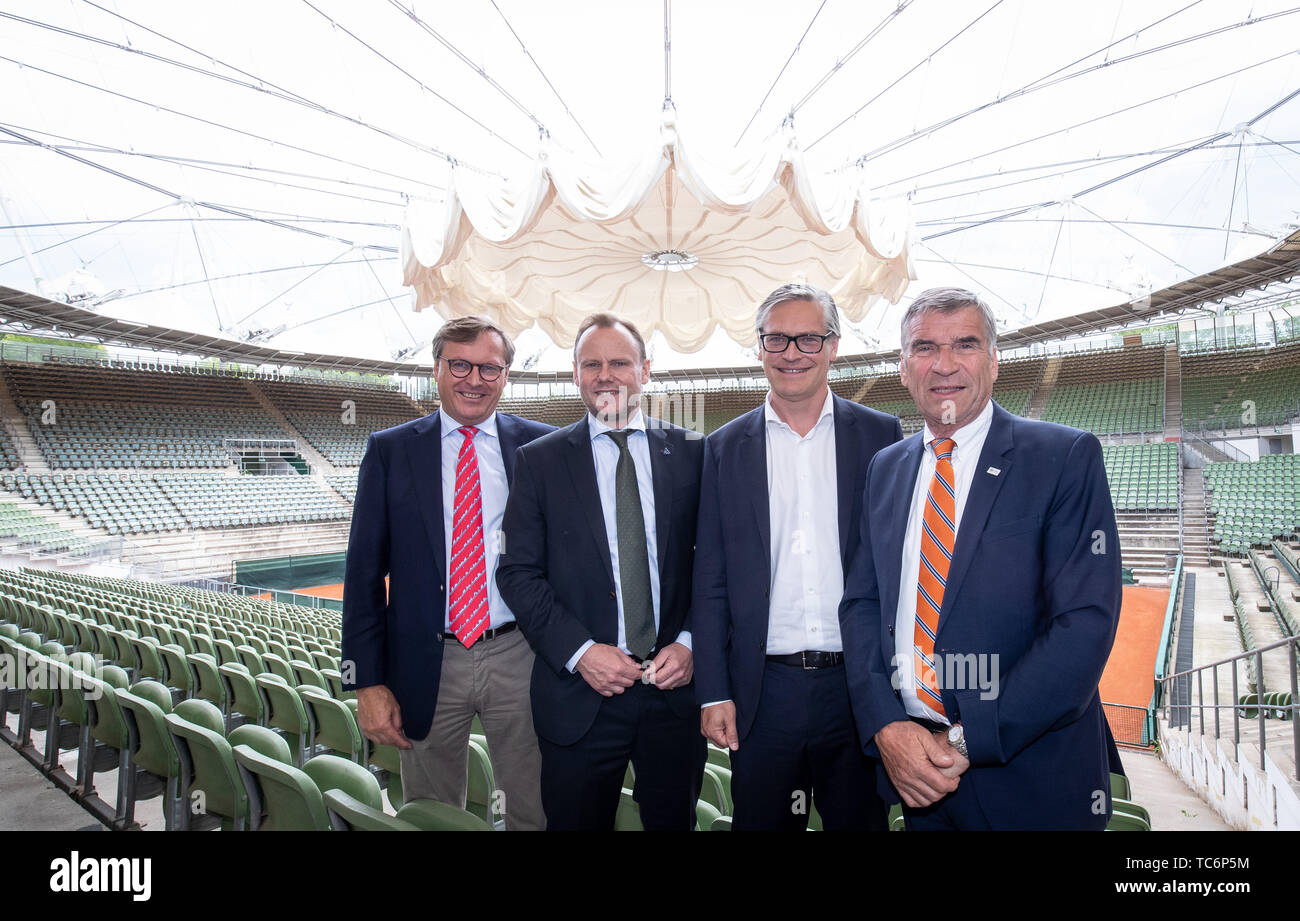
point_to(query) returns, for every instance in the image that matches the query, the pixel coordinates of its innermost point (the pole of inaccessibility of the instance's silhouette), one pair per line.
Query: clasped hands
(609, 670)
(923, 765)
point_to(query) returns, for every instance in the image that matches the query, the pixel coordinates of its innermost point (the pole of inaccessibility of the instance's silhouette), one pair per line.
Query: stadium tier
(1252, 502)
(336, 419)
(1110, 393)
(145, 503)
(1142, 477)
(1227, 390)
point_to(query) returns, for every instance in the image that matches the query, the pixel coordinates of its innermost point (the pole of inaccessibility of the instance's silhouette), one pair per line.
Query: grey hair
(948, 300)
(798, 292)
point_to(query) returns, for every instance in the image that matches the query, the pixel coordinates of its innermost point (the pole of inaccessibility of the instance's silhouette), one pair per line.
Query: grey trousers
(491, 679)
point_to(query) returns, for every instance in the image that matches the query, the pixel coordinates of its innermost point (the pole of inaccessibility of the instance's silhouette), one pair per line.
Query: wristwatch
(957, 739)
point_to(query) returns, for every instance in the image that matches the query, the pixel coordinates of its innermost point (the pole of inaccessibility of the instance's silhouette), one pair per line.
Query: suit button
(613, 597)
(442, 588)
(891, 629)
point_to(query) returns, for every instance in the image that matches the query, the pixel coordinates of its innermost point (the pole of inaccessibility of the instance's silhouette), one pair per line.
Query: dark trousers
(802, 750)
(581, 782)
(958, 811)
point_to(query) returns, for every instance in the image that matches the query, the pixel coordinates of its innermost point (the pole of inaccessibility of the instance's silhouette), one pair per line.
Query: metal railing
(1180, 714)
(273, 594)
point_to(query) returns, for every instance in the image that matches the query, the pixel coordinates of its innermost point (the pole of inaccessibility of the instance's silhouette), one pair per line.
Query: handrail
(1237, 707)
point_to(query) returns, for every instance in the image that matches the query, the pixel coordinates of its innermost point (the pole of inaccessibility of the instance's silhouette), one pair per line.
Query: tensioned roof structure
(244, 172)
(1265, 277)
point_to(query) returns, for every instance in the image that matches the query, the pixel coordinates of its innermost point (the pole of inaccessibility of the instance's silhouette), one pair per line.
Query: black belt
(487, 634)
(809, 659)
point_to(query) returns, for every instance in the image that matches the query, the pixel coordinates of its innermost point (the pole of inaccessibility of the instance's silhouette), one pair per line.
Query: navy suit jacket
(556, 573)
(395, 639)
(733, 560)
(1034, 581)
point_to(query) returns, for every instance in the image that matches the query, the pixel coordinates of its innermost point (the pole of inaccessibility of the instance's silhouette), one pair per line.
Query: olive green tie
(633, 556)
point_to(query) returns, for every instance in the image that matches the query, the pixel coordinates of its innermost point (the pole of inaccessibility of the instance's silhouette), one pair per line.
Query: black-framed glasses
(459, 367)
(808, 343)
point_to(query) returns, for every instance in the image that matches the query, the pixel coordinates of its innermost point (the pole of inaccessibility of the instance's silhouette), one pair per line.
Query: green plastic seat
(1119, 786)
(306, 673)
(333, 724)
(480, 785)
(148, 655)
(242, 692)
(628, 817)
(705, 815)
(285, 798)
(278, 666)
(209, 778)
(716, 788)
(179, 674)
(428, 815)
(152, 750)
(262, 740)
(207, 680)
(108, 727)
(347, 813)
(721, 824)
(285, 711)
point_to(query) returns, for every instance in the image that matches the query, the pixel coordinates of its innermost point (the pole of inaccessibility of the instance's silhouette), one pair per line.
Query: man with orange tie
(440, 646)
(982, 604)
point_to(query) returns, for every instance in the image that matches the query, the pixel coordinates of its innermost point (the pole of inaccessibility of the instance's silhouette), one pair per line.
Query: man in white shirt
(438, 646)
(600, 533)
(779, 509)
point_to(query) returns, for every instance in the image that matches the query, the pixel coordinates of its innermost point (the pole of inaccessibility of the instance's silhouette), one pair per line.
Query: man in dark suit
(779, 510)
(600, 532)
(439, 646)
(974, 670)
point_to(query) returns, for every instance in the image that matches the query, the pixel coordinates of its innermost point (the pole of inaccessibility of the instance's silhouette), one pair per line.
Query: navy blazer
(395, 638)
(1034, 582)
(555, 571)
(733, 562)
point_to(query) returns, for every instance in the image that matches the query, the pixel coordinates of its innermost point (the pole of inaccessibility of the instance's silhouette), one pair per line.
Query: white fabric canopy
(571, 240)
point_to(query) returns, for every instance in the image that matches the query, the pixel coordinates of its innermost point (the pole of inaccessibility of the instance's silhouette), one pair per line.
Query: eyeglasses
(808, 343)
(461, 368)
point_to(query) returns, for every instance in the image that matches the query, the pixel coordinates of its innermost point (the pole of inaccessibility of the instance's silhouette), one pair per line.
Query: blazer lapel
(984, 489)
(753, 480)
(661, 471)
(901, 487)
(846, 454)
(508, 437)
(424, 453)
(582, 469)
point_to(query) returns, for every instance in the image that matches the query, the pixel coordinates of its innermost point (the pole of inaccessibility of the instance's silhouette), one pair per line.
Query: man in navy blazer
(599, 537)
(974, 652)
(421, 674)
(779, 511)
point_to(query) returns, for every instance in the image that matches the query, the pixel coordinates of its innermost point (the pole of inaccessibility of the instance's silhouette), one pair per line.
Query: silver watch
(957, 739)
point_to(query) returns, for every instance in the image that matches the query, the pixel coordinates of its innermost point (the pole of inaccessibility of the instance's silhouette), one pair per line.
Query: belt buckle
(803, 659)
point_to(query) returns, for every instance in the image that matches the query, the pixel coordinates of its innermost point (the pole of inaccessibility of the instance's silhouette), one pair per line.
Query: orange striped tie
(938, 533)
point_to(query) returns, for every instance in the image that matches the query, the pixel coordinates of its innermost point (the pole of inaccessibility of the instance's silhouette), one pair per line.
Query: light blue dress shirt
(493, 489)
(605, 453)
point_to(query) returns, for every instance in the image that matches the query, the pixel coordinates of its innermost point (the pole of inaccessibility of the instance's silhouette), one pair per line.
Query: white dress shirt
(807, 575)
(493, 489)
(965, 458)
(605, 453)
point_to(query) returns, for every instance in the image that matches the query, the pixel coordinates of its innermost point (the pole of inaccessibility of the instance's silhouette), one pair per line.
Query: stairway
(1173, 394)
(1038, 401)
(309, 454)
(1196, 527)
(29, 456)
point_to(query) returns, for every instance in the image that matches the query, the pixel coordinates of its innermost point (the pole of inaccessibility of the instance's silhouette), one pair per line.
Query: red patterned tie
(469, 598)
(937, 537)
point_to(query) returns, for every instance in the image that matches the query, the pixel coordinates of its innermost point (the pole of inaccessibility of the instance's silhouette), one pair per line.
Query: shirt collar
(449, 425)
(596, 428)
(972, 431)
(770, 416)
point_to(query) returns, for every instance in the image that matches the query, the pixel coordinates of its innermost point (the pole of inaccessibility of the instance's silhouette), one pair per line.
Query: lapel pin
(667, 450)
(993, 471)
